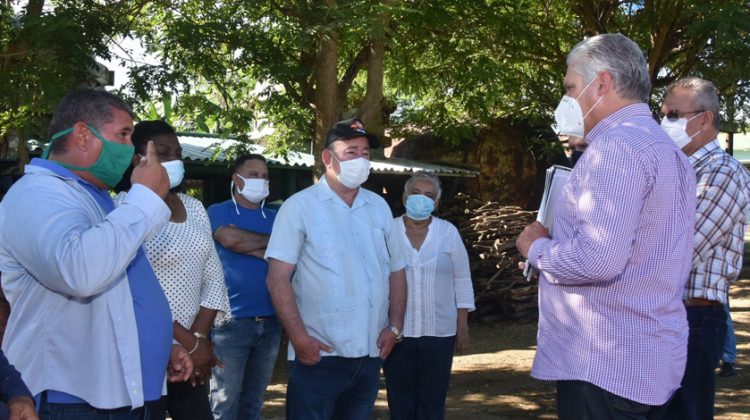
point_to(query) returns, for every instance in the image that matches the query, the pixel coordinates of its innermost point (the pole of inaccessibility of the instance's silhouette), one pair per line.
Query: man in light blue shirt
(344, 306)
(90, 328)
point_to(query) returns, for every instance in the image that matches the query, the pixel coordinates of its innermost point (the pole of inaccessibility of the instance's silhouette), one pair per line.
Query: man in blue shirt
(90, 328)
(248, 341)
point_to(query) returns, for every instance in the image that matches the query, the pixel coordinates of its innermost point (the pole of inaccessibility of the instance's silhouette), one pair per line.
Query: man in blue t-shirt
(248, 341)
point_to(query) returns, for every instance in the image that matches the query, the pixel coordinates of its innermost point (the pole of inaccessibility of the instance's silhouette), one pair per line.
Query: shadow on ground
(493, 382)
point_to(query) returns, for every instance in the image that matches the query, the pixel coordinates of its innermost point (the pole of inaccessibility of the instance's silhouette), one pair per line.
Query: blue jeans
(337, 388)
(695, 399)
(248, 347)
(152, 410)
(730, 344)
(579, 400)
(417, 373)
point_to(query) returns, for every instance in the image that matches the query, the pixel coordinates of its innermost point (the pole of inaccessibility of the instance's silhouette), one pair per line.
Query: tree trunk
(371, 110)
(20, 45)
(326, 87)
(729, 126)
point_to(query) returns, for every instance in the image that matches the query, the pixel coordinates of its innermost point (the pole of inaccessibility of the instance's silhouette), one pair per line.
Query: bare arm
(201, 324)
(204, 320)
(242, 241)
(462, 331)
(279, 283)
(396, 308)
(203, 355)
(397, 298)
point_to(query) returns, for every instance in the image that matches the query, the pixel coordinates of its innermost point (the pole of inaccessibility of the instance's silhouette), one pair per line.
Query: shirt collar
(618, 117)
(58, 170)
(707, 149)
(326, 193)
(54, 167)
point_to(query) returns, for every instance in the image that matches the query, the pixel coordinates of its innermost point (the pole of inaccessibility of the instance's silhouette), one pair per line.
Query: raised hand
(150, 173)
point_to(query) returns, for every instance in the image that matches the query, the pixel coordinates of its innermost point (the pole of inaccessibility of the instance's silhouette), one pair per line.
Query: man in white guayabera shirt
(344, 307)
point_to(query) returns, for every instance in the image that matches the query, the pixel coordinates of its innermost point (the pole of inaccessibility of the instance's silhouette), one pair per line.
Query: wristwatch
(399, 334)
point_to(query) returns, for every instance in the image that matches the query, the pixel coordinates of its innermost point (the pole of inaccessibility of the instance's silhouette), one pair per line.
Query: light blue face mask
(419, 207)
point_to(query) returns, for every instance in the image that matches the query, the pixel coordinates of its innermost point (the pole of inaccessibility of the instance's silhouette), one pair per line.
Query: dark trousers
(417, 373)
(579, 400)
(337, 388)
(152, 410)
(708, 329)
(185, 402)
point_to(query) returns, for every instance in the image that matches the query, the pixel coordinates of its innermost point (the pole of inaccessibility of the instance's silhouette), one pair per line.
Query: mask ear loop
(592, 107)
(699, 130)
(581, 94)
(231, 193)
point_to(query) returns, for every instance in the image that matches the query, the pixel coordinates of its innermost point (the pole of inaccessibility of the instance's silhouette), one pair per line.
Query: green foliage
(703, 38)
(196, 193)
(49, 49)
(452, 67)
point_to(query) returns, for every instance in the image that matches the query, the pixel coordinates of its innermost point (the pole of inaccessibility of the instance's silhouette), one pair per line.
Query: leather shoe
(727, 369)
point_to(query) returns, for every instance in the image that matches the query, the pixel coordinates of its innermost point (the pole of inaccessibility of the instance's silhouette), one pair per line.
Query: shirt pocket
(327, 251)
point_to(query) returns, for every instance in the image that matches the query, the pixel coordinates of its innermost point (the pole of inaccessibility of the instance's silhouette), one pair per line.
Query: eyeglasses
(675, 115)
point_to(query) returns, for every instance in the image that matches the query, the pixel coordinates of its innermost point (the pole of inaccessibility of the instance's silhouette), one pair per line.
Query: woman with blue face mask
(440, 297)
(187, 265)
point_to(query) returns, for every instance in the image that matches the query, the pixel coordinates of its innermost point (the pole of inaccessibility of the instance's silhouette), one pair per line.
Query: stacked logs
(489, 231)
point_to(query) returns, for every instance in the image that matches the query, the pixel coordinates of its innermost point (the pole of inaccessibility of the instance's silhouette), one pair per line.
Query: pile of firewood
(489, 231)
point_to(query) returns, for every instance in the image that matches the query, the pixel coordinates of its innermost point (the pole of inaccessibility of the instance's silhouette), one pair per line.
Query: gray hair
(619, 56)
(426, 176)
(705, 97)
(93, 107)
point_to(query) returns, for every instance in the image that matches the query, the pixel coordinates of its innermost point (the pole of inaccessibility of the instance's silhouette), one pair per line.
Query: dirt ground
(493, 382)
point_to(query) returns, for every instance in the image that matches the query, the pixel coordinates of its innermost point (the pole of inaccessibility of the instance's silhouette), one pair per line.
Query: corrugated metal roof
(202, 148)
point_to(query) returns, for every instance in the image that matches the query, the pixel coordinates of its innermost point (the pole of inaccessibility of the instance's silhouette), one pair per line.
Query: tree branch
(359, 60)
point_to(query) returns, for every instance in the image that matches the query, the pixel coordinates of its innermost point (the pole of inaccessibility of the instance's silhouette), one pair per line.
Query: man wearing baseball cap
(336, 278)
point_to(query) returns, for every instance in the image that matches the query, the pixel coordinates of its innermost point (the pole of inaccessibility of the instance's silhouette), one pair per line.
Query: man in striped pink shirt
(612, 325)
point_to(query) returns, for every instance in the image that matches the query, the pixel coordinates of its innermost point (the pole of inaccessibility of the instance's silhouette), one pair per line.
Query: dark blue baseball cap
(351, 129)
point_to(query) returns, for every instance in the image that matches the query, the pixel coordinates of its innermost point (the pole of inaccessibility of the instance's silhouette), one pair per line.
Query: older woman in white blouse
(440, 297)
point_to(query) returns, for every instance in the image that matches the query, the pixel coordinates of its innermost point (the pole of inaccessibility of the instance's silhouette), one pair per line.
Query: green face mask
(112, 163)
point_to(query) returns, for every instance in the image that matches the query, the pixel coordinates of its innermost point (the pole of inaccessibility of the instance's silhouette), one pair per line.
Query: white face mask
(353, 172)
(569, 116)
(677, 130)
(175, 170)
(255, 189)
